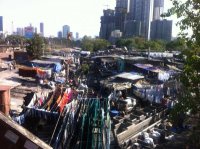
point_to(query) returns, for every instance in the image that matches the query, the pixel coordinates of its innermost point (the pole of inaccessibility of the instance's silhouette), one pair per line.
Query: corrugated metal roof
(130, 76)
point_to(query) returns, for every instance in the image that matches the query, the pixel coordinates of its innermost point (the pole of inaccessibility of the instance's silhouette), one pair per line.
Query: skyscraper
(20, 31)
(1, 24)
(77, 35)
(42, 29)
(60, 34)
(66, 30)
(141, 11)
(36, 30)
(107, 23)
(29, 31)
(158, 9)
(134, 18)
(161, 29)
(132, 28)
(121, 10)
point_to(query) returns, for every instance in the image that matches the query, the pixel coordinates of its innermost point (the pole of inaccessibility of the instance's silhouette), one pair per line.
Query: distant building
(66, 30)
(158, 9)
(36, 30)
(60, 34)
(1, 23)
(161, 29)
(107, 23)
(29, 31)
(141, 11)
(132, 28)
(134, 18)
(77, 36)
(42, 29)
(121, 10)
(20, 31)
(115, 35)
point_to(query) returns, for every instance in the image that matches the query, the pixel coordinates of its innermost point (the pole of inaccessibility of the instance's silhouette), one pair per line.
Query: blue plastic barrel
(114, 113)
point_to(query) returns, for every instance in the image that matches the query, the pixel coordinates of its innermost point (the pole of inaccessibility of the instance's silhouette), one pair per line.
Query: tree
(84, 69)
(140, 43)
(188, 13)
(178, 44)
(35, 46)
(155, 45)
(2, 41)
(96, 44)
(15, 40)
(189, 103)
(129, 43)
(100, 44)
(87, 44)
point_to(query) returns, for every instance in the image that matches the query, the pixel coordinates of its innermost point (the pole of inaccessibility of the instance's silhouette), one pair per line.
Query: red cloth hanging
(63, 101)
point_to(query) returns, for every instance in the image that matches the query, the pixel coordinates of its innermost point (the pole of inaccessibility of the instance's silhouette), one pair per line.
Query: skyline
(82, 19)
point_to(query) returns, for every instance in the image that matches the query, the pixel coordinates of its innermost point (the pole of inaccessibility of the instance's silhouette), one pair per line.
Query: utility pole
(149, 25)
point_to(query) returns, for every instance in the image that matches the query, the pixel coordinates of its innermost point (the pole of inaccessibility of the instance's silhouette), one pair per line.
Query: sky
(83, 16)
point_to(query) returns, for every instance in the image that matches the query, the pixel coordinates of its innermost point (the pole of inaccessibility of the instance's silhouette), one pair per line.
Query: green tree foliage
(156, 45)
(87, 44)
(178, 44)
(189, 101)
(15, 40)
(84, 69)
(141, 44)
(96, 44)
(188, 12)
(129, 43)
(100, 44)
(57, 43)
(2, 41)
(34, 46)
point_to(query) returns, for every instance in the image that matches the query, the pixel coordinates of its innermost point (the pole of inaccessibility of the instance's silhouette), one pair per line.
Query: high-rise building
(20, 31)
(161, 29)
(132, 28)
(60, 34)
(29, 31)
(66, 30)
(158, 9)
(77, 35)
(42, 29)
(36, 30)
(134, 18)
(121, 10)
(141, 11)
(1, 23)
(107, 23)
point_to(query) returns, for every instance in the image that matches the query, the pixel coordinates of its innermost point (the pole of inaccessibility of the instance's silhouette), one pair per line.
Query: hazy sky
(83, 16)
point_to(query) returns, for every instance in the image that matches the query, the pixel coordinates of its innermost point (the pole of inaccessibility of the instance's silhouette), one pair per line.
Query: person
(10, 65)
(14, 64)
(119, 94)
(162, 125)
(155, 135)
(136, 146)
(148, 140)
